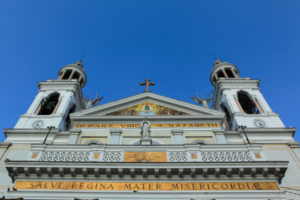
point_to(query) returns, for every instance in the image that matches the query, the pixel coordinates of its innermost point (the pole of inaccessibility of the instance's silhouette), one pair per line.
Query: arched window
(68, 119)
(93, 142)
(48, 105)
(200, 141)
(247, 104)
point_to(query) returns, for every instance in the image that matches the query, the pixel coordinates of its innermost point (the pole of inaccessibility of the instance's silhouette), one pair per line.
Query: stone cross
(147, 83)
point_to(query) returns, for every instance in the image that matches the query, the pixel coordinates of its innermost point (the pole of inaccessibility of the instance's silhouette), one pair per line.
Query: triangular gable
(165, 102)
(147, 108)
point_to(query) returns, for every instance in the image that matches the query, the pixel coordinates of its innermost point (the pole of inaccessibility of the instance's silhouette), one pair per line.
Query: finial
(214, 55)
(82, 57)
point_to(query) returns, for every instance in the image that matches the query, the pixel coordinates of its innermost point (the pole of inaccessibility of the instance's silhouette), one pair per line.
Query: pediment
(146, 104)
(147, 109)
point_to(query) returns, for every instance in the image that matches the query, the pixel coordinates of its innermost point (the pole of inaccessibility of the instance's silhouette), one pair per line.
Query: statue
(145, 129)
(89, 103)
(202, 101)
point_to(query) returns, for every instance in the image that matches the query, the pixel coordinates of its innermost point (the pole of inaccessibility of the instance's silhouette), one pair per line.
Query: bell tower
(240, 99)
(56, 100)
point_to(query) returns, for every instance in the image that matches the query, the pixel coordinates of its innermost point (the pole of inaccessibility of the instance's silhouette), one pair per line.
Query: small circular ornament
(260, 123)
(37, 124)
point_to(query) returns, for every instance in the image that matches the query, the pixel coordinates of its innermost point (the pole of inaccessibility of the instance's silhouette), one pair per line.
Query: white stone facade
(199, 148)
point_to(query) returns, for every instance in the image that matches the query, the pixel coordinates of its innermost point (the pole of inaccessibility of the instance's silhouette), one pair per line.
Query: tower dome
(223, 70)
(73, 71)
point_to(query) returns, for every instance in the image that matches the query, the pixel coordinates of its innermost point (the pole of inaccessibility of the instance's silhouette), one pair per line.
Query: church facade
(149, 146)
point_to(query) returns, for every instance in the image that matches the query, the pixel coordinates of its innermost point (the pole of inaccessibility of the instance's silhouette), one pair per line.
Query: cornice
(151, 118)
(56, 83)
(239, 81)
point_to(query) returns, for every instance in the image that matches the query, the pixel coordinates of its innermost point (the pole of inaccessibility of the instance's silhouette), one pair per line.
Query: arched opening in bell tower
(248, 105)
(49, 105)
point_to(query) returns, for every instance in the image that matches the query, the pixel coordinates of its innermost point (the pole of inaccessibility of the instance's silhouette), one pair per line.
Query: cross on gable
(147, 83)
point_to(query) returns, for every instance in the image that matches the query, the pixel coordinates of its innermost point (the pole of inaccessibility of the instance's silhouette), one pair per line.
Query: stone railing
(229, 153)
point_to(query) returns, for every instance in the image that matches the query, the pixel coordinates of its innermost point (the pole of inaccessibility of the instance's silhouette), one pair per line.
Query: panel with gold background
(147, 108)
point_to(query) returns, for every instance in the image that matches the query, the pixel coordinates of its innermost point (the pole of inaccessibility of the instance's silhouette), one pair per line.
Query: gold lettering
(225, 185)
(256, 185)
(187, 186)
(138, 125)
(103, 186)
(80, 185)
(232, 185)
(174, 187)
(195, 186)
(110, 186)
(90, 186)
(143, 184)
(201, 185)
(150, 186)
(239, 184)
(136, 186)
(74, 185)
(53, 185)
(158, 186)
(214, 186)
(128, 187)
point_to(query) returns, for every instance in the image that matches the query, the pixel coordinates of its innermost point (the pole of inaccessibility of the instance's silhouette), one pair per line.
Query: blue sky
(169, 42)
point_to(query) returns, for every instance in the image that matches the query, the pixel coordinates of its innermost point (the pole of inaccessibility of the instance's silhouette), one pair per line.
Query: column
(257, 105)
(115, 135)
(224, 72)
(216, 76)
(177, 136)
(74, 136)
(62, 75)
(38, 109)
(227, 124)
(239, 105)
(220, 137)
(71, 75)
(57, 105)
(234, 74)
(43, 101)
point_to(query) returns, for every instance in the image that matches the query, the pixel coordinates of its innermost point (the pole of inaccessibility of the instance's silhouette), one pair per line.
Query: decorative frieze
(226, 156)
(65, 156)
(178, 157)
(112, 157)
